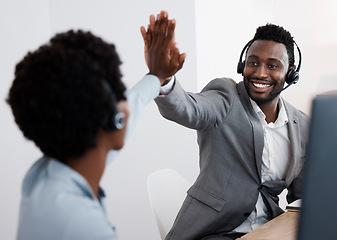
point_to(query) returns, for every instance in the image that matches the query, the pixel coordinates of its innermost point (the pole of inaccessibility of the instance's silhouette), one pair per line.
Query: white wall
(212, 33)
(23, 25)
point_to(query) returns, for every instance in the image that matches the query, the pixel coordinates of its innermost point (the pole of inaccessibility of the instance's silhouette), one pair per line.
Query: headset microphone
(277, 92)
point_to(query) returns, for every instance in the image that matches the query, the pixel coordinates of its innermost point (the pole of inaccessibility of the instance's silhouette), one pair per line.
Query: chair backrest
(167, 191)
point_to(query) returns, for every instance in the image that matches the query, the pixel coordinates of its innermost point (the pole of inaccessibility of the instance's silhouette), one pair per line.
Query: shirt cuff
(167, 88)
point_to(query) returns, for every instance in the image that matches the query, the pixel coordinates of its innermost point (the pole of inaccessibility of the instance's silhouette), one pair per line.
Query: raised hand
(161, 54)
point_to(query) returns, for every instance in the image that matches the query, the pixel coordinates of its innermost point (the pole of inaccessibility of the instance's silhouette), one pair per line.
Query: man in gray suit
(251, 141)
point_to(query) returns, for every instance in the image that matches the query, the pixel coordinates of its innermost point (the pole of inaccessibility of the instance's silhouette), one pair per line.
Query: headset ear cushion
(119, 120)
(292, 77)
(240, 68)
(114, 121)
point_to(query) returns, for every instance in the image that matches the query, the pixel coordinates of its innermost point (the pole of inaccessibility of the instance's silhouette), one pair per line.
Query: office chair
(167, 191)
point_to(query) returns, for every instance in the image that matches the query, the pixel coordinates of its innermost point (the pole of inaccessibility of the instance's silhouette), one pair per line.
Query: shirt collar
(282, 117)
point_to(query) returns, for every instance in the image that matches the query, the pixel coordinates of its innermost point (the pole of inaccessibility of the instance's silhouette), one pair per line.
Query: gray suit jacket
(230, 138)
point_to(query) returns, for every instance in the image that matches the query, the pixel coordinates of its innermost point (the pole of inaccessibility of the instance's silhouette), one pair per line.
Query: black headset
(292, 75)
(113, 120)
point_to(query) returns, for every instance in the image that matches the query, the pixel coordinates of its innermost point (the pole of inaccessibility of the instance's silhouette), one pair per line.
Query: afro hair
(57, 97)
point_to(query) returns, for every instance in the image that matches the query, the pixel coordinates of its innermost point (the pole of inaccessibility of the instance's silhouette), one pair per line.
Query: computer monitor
(318, 216)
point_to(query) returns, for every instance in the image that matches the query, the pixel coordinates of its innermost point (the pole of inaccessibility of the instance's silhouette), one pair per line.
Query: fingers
(182, 58)
(152, 22)
(174, 54)
(150, 26)
(143, 32)
(149, 29)
(170, 32)
(147, 36)
(160, 29)
(162, 14)
(177, 59)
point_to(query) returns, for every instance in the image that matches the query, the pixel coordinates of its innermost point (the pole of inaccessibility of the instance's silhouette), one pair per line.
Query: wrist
(168, 87)
(165, 81)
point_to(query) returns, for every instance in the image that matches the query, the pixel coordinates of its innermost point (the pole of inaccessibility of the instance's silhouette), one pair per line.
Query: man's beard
(261, 99)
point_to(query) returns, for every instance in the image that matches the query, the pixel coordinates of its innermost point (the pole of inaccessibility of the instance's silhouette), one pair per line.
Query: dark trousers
(224, 237)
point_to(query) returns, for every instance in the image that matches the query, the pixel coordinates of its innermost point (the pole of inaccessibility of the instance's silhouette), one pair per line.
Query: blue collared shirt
(58, 203)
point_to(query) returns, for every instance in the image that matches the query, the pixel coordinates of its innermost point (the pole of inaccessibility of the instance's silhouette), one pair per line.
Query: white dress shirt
(275, 160)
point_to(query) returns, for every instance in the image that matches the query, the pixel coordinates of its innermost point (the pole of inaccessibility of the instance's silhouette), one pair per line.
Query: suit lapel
(256, 126)
(295, 143)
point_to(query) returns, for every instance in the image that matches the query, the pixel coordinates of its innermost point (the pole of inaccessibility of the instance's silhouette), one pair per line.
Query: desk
(283, 227)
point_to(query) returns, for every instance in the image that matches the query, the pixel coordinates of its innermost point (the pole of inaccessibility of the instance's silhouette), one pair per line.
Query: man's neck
(270, 109)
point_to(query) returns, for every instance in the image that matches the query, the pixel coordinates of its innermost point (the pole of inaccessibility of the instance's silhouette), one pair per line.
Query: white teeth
(260, 85)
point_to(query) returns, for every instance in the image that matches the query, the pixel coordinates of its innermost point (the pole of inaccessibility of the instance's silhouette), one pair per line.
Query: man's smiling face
(265, 71)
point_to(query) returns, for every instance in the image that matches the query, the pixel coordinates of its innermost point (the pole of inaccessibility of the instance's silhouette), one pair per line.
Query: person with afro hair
(252, 142)
(68, 97)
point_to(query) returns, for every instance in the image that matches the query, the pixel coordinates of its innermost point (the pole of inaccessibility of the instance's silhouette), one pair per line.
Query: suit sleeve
(295, 188)
(198, 110)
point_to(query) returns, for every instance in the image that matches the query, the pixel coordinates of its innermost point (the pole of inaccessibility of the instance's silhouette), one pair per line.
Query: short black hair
(277, 34)
(57, 96)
